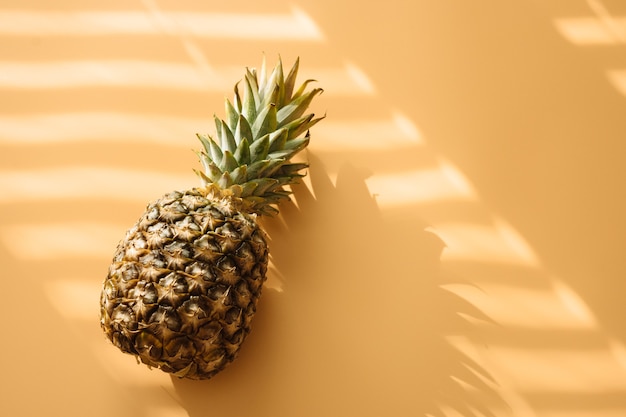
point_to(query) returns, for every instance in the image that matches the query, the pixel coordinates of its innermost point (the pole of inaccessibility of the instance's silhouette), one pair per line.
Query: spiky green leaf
(232, 116)
(210, 147)
(264, 127)
(297, 144)
(228, 162)
(204, 159)
(213, 172)
(272, 165)
(236, 189)
(278, 139)
(218, 125)
(302, 125)
(292, 170)
(249, 103)
(264, 168)
(254, 85)
(268, 210)
(239, 175)
(237, 99)
(276, 78)
(242, 154)
(225, 181)
(248, 188)
(243, 130)
(297, 107)
(302, 88)
(227, 141)
(265, 122)
(290, 81)
(272, 97)
(203, 177)
(284, 154)
(263, 185)
(260, 148)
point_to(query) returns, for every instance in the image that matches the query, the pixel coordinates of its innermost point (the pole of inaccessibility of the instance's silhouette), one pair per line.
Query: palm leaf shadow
(383, 278)
(355, 321)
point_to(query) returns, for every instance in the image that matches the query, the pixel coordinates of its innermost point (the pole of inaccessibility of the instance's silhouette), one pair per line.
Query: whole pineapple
(184, 283)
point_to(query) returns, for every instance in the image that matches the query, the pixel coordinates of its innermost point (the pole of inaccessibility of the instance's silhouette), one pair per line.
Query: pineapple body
(184, 284)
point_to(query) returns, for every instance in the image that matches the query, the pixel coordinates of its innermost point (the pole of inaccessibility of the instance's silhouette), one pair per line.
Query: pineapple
(184, 283)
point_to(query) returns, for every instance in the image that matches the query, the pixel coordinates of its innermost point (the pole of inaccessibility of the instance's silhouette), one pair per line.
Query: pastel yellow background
(457, 249)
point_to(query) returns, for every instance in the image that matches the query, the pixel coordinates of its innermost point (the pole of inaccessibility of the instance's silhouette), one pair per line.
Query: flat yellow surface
(457, 249)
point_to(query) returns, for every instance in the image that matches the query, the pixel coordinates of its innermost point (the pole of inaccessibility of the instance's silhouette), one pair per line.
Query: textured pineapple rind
(184, 283)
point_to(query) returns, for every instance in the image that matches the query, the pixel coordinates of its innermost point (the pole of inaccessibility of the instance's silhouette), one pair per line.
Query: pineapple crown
(249, 157)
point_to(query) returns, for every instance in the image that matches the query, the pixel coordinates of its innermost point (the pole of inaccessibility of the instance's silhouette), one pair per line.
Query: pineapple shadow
(354, 321)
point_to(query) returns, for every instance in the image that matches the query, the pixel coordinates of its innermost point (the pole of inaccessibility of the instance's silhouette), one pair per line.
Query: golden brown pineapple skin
(184, 284)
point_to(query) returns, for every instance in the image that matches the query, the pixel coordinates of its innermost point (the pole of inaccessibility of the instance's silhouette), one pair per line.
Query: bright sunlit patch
(407, 126)
(458, 180)
(338, 80)
(365, 134)
(618, 350)
(90, 126)
(573, 303)
(584, 371)
(88, 182)
(617, 26)
(415, 187)
(38, 242)
(444, 183)
(585, 31)
(516, 242)
(618, 79)
(530, 308)
(358, 77)
(345, 80)
(161, 75)
(74, 299)
(497, 243)
(73, 23)
(107, 73)
(295, 25)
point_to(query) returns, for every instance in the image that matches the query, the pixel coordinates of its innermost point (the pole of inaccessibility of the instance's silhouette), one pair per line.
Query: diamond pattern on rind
(183, 285)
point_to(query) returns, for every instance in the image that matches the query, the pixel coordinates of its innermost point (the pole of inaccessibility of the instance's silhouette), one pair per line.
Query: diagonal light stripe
(613, 24)
(618, 79)
(335, 135)
(366, 134)
(118, 73)
(346, 79)
(295, 25)
(73, 298)
(495, 243)
(585, 31)
(162, 75)
(441, 183)
(40, 242)
(33, 129)
(515, 306)
(89, 182)
(559, 371)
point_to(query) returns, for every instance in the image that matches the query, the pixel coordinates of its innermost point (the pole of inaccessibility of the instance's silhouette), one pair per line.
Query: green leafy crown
(253, 145)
